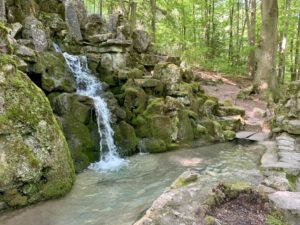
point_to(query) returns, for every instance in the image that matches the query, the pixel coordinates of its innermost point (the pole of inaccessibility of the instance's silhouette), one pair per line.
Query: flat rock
(117, 42)
(260, 136)
(244, 134)
(289, 167)
(289, 201)
(288, 156)
(293, 127)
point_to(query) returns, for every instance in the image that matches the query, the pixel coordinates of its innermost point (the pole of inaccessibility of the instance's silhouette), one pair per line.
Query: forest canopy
(218, 35)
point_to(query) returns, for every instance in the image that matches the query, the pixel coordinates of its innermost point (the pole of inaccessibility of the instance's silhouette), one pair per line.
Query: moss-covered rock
(152, 145)
(185, 129)
(125, 139)
(231, 111)
(54, 74)
(79, 126)
(32, 147)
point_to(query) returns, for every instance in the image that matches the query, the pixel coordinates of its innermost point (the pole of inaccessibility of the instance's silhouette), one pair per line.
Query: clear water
(120, 197)
(89, 85)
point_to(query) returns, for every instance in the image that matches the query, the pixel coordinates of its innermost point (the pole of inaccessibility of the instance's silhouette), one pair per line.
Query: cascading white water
(88, 85)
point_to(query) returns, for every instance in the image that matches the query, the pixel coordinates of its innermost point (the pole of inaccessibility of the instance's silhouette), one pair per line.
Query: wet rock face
(288, 111)
(35, 163)
(79, 125)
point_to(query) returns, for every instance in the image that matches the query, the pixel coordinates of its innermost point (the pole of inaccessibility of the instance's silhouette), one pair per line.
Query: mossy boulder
(53, 73)
(185, 128)
(77, 117)
(19, 10)
(152, 145)
(125, 139)
(231, 111)
(33, 150)
(135, 100)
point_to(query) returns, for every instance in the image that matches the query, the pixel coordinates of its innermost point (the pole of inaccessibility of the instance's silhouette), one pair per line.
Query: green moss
(293, 181)
(14, 198)
(275, 218)
(7, 60)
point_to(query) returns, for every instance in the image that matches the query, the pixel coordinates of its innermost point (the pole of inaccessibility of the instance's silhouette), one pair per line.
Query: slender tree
(296, 73)
(251, 27)
(266, 71)
(2, 11)
(153, 19)
(283, 42)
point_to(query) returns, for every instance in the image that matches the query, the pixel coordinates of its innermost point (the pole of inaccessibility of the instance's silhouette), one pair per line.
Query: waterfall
(88, 85)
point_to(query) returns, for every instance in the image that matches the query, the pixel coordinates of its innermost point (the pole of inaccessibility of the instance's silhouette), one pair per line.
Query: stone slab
(244, 134)
(285, 200)
(260, 136)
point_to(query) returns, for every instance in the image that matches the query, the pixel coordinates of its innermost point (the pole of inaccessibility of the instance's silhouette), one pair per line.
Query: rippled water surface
(121, 197)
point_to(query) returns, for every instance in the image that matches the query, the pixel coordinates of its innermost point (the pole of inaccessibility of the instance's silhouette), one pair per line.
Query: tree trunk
(153, 19)
(251, 27)
(295, 74)
(266, 71)
(2, 11)
(230, 49)
(133, 7)
(101, 7)
(283, 42)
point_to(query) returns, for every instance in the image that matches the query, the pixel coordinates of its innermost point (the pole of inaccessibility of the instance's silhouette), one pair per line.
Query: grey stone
(293, 127)
(287, 201)
(72, 20)
(15, 28)
(99, 38)
(35, 31)
(244, 134)
(26, 53)
(141, 41)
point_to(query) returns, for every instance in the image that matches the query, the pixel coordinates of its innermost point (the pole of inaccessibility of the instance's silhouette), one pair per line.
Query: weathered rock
(15, 29)
(73, 20)
(17, 11)
(289, 203)
(293, 127)
(53, 21)
(52, 6)
(126, 139)
(26, 54)
(34, 30)
(54, 74)
(79, 126)
(152, 145)
(33, 149)
(232, 111)
(99, 38)
(95, 25)
(5, 41)
(141, 41)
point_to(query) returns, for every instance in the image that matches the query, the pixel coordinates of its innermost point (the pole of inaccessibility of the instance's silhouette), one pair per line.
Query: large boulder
(35, 162)
(79, 126)
(34, 30)
(17, 11)
(125, 139)
(287, 111)
(54, 75)
(73, 20)
(141, 41)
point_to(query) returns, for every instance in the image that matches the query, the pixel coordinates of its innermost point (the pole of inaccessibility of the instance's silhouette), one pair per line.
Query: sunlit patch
(187, 161)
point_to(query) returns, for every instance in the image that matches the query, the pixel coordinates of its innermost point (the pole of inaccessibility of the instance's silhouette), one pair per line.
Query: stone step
(252, 136)
(289, 203)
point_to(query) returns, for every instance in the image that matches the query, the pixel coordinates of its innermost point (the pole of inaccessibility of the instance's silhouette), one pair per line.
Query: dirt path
(219, 86)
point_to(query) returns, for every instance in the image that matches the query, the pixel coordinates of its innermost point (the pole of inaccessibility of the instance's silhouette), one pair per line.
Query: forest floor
(240, 211)
(225, 88)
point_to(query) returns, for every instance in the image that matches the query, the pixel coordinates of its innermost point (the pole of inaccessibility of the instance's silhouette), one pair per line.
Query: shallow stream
(122, 197)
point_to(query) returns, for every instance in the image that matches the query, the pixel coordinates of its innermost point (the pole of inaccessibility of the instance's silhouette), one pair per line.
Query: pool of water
(122, 197)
